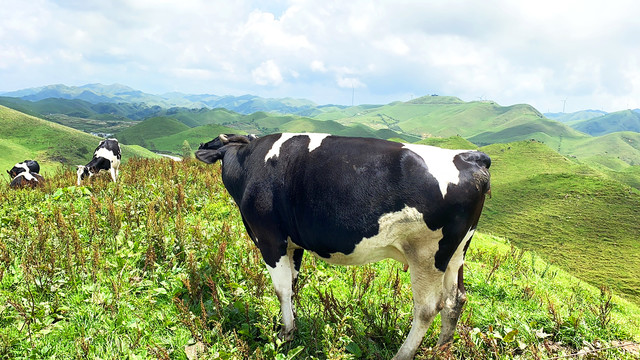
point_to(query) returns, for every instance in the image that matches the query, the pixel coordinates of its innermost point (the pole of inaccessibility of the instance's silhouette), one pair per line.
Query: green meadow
(159, 266)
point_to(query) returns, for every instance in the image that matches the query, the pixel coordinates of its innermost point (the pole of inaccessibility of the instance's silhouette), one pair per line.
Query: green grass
(155, 266)
(571, 214)
(54, 146)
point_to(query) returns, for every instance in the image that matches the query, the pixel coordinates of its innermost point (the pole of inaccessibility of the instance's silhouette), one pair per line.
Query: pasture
(158, 265)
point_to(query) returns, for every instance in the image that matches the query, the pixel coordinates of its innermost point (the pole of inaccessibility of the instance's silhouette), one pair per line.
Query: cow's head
(224, 139)
(85, 172)
(214, 150)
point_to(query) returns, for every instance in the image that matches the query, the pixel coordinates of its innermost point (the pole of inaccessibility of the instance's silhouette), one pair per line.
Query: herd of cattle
(349, 201)
(106, 157)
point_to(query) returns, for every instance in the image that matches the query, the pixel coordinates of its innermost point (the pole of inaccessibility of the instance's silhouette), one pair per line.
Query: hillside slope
(146, 130)
(626, 120)
(52, 145)
(571, 214)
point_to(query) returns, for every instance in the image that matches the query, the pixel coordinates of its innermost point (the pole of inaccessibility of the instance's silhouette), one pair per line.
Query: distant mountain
(626, 120)
(81, 108)
(116, 93)
(575, 116)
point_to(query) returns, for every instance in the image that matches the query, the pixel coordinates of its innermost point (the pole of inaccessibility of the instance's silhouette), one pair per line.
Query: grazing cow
(26, 179)
(105, 157)
(352, 201)
(27, 165)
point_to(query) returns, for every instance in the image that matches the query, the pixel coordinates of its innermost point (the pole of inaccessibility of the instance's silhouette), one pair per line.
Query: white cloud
(510, 52)
(318, 66)
(267, 73)
(349, 82)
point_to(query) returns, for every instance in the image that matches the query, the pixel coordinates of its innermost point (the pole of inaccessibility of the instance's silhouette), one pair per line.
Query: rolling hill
(167, 133)
(626, 120)
(52, 145)
(573, 215)
(194, 136)
(149, 129)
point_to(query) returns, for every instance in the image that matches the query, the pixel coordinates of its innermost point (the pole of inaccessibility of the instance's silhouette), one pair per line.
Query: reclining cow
(106, 157)
(27, 165)
(26, 179)
(353, 201)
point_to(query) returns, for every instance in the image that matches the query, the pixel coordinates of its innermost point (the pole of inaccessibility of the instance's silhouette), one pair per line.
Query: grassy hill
(626, 120)
(482, 122)
(573, 215)
(202, 116)
(194, 136)
(146, 130)
(52, 145)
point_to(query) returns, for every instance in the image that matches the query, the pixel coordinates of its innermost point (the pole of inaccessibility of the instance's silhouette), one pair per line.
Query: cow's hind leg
(426, 285)
(282, 276)
(114, 171)
(454, 292)
(455, 298)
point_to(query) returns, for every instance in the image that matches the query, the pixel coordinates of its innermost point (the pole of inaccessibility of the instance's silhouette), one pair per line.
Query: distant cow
(105, 157)
(27, 165)
(26, 179)
(353, 201)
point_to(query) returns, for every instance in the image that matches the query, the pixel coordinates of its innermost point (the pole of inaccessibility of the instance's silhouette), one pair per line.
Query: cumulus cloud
(511, 52)
(267, 73)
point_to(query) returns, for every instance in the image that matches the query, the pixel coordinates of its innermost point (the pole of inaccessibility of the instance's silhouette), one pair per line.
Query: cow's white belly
(399, 231)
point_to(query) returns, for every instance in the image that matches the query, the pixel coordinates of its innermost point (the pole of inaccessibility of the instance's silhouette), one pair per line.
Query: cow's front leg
(282, 276)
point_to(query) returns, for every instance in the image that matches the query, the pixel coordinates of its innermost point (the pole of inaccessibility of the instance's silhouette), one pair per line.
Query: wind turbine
(564, 104)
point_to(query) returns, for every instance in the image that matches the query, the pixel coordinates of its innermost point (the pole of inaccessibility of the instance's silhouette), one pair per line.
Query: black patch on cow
(463, 204)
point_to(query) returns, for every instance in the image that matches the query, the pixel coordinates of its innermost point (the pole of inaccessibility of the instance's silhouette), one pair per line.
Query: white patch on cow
(281, 276)
(107, 154)
(315, 140)
(397, 231)
(22, 166)
(440, 163)
(27, 175)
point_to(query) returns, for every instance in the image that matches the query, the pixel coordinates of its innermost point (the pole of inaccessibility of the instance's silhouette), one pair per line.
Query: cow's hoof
(286, 335)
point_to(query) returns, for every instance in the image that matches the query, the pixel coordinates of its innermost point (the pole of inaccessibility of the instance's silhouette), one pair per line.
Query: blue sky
(536, 52)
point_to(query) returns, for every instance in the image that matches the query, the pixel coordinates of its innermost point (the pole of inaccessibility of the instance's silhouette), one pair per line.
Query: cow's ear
(209, 156)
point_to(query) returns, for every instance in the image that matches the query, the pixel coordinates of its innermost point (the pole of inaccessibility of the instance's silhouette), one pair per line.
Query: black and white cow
(106, 157)
(26, 179)
(353, 201)
(25, 166)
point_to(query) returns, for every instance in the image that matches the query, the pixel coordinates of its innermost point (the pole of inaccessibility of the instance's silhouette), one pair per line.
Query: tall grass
(159, 266)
